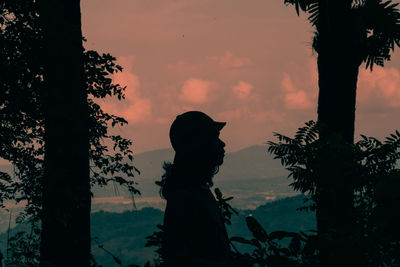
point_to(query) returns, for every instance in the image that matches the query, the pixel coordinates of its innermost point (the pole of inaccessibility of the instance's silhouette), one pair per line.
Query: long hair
(177, 176)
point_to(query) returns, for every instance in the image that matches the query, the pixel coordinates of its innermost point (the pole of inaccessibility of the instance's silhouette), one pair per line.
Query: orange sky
(249, 63)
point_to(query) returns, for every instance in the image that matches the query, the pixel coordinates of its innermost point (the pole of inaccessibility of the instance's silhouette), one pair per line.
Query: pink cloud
(182, 67)
(228, 60)
(229, 115)
(287, 84)
(249, 114)
(224, 41)
(134, 108)
(380, 86)
(243, 89)
(268, 116)
(294, 98)
(196, 91)
(298, 101)
(139, 111)
(163, 120)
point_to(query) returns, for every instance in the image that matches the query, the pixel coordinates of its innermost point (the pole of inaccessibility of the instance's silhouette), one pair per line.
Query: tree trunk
(65, 238)
(338, 62)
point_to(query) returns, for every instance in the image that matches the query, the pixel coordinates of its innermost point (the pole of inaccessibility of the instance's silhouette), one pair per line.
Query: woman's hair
(176, 176)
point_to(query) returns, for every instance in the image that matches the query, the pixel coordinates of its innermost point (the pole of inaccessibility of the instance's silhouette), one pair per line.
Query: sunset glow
(247, 63)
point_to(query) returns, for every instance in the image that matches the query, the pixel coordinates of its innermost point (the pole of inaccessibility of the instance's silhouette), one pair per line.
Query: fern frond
(310, 7)
(382, 21)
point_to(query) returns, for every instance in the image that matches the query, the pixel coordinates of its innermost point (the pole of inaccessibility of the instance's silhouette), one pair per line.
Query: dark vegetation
(31, 106)
(347, 33)
(371, 167)
(124, 234)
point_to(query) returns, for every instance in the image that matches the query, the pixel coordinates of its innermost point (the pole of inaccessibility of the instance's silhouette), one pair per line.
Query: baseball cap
(192, 129)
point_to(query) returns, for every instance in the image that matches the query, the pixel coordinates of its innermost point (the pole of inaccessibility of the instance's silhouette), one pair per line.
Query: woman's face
(217, 151)
(207, 151)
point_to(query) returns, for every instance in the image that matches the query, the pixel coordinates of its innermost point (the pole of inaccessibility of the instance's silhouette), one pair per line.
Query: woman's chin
(220, 161)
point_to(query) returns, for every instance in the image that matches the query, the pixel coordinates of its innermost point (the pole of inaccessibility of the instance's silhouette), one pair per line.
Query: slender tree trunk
(338, 63)
(65, 239)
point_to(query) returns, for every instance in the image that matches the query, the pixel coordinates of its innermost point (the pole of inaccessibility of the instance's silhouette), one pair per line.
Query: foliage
(22, 120)
(300, 157)
(378, 23)
(21, 123)
(23, 248)
(124, 234)
(226, 209)
(370, 166)
(155, 240)
(269, 250)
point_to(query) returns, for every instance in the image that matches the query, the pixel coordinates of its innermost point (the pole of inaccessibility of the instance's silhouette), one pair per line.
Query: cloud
(246, 113)
(294, 98)
(297, 100)
(163, 120)
(243, 89)
(182, 67)
(139, 111)
(229, 115)
(228, 60)
(196, 91)
(380, 88)
(134, 108)
(268, 116)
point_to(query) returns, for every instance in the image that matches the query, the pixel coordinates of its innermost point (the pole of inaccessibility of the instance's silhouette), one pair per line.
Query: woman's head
(198, 151)
(195, 139)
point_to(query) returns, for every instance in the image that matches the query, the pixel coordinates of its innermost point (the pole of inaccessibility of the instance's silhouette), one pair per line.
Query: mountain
(123, 234)
(251, 175)
(250, 163)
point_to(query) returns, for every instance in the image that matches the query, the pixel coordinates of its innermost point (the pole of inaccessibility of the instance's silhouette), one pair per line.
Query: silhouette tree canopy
(348, 33)
(22, 124)
(22, 115)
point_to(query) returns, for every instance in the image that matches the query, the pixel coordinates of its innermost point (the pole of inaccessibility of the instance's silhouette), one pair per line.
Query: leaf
(295, 245)
(256, 229)
(118, 261)
(218, 193)
(282, 234)
(252, 242)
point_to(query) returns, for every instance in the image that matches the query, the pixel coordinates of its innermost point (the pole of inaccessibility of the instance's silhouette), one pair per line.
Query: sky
(248, 63)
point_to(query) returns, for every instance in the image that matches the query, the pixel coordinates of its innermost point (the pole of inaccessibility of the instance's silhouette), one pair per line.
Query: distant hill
(250, 170)
(251, 175)
(124, 233)
(250, 163)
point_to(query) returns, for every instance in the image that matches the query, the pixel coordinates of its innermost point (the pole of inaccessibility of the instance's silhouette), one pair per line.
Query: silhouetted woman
(195, 234)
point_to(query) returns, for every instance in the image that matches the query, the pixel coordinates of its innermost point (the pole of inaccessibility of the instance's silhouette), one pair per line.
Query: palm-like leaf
(380, 26)
(310, 7)
(382, 23)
